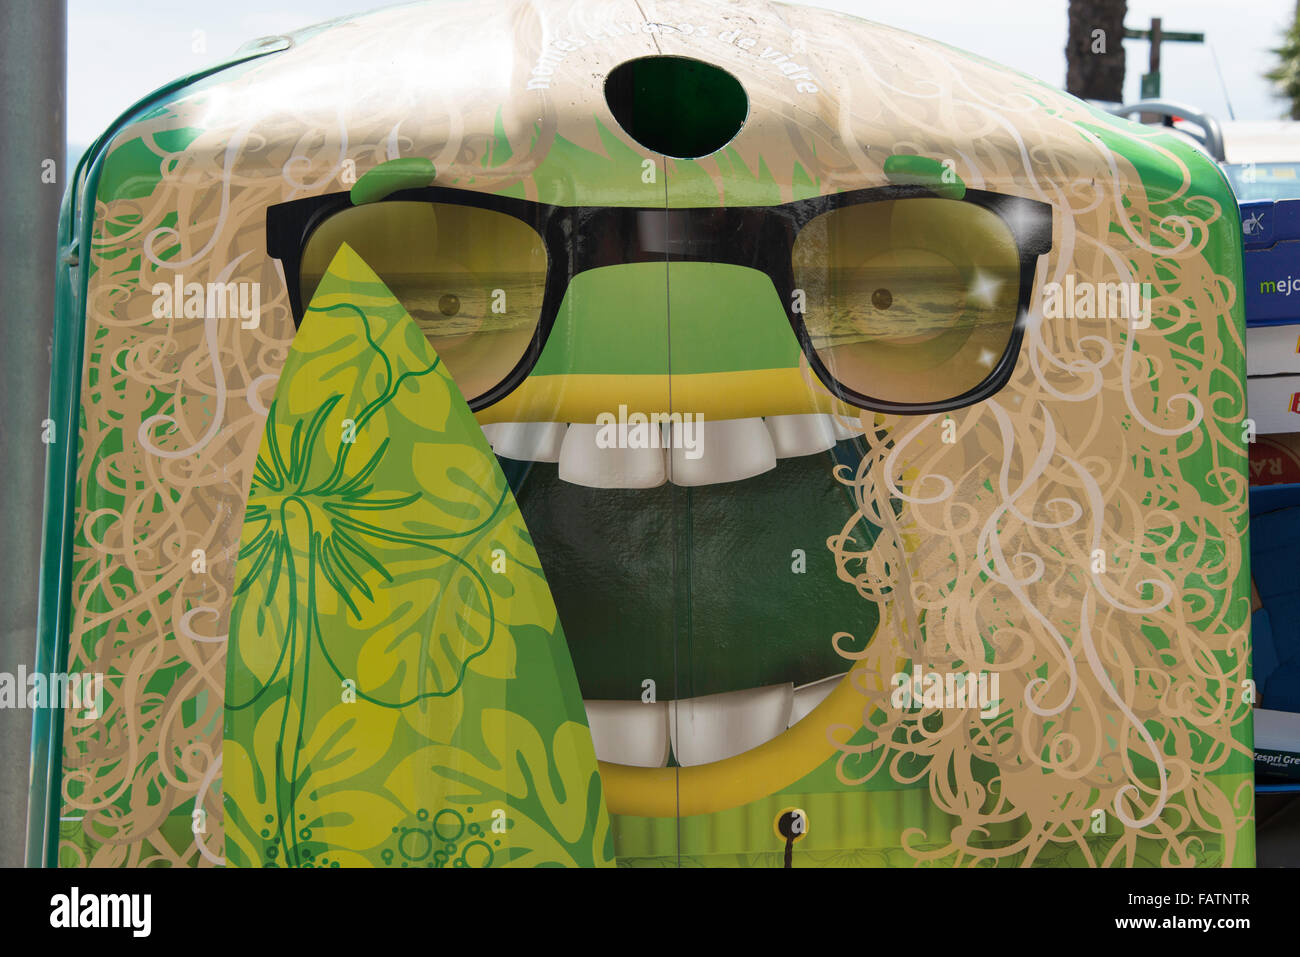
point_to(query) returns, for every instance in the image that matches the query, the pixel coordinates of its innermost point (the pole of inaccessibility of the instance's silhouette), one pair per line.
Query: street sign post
(1157, 35)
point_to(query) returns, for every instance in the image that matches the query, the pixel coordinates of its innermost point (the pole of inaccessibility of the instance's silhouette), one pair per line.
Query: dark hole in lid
(675, 105)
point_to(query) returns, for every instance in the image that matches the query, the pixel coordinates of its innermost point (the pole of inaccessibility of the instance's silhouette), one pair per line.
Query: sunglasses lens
(472, 279)
(909, 300)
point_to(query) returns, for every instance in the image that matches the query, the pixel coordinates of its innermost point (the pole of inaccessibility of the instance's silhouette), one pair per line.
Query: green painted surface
(387, 178)
(614, 321)
(904, 170)
(398, 688)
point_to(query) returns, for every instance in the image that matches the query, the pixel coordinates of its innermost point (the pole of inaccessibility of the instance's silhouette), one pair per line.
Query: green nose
(687, 318)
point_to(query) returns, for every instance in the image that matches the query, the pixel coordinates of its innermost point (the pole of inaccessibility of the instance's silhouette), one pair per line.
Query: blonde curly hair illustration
(1081, 534)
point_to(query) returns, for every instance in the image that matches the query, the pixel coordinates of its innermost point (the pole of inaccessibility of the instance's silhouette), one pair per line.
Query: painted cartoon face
(682, 385)
(782, 409)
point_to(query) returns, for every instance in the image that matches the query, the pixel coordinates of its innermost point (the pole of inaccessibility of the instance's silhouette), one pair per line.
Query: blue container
(1271, 233)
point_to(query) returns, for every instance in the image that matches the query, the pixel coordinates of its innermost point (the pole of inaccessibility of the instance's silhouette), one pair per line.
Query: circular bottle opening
(675, 105)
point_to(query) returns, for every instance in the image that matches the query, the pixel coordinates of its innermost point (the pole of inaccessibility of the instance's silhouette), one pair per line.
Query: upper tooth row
(699, 730)
(527, 441)
(728, 450)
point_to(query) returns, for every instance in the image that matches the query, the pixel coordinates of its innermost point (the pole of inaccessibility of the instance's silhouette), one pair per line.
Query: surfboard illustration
(399, 691)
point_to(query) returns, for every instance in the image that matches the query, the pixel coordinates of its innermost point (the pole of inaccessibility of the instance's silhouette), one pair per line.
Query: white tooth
(809, 696)
(629, 732)
(527, 441)
(795, 435)
(842, 429)
(727, 451)
(719, 726)
(582, 462)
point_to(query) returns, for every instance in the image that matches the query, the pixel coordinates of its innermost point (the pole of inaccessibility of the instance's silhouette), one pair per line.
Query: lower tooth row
(699, 730)
(720, 726)
(726, 450)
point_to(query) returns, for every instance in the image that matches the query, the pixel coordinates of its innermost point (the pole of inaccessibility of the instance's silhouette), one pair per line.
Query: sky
(120, 50)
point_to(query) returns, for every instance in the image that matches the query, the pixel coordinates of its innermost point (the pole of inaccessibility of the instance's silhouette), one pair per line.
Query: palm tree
(1094, 51)
(1287, 73)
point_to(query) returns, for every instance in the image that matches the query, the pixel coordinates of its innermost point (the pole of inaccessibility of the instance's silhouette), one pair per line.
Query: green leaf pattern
(399, 691)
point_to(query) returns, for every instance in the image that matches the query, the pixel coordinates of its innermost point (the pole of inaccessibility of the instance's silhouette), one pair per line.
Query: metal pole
(33, 77)
(1154, 63)
(1151, 89)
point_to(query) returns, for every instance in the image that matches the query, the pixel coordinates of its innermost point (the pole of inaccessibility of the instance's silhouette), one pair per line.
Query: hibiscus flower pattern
(396, 661)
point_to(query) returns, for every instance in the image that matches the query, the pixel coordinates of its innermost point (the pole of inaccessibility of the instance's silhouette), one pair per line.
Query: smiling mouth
(697, 595)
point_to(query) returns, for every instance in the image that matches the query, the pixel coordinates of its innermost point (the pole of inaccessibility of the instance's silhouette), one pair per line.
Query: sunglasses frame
(579, 238)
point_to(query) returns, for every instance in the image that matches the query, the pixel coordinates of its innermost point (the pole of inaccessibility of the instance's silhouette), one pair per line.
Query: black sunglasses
(843, 315)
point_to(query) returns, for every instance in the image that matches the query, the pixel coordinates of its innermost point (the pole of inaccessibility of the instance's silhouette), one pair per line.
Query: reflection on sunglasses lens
(910, 300)
(472, 279)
